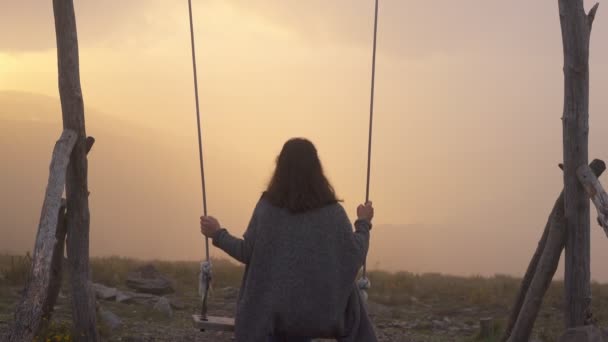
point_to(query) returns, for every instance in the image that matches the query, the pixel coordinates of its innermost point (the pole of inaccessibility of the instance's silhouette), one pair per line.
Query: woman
(301, 255)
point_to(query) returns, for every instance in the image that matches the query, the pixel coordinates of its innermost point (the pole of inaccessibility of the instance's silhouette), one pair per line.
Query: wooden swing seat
(213, 323)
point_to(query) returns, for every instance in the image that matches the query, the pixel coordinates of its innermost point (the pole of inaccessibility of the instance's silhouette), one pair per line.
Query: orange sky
(469, 96)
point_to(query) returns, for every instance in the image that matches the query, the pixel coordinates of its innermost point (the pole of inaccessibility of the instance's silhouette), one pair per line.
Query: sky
(467, 130)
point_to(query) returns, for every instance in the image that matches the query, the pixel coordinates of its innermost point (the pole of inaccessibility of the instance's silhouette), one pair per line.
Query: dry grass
(112, 271)
(14, 269)
(404, 293)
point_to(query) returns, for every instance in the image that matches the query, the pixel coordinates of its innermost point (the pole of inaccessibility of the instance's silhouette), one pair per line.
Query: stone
(587, 333)
(438, 324)
(148, 279)
(144, 298)
(177, 303)
(124, 297)
(163, 306)
(110, 319)
(104, 292)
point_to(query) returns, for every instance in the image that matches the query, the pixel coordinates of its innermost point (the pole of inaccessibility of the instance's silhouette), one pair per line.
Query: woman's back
(300, 272)
(301, 254)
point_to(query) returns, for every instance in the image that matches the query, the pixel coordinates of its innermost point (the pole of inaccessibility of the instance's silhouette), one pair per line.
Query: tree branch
(591, 15)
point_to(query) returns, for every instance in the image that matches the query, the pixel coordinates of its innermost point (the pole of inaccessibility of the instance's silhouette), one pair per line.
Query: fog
(467, 135)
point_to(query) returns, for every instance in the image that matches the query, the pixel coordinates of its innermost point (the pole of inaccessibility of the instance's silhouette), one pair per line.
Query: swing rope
(364, 282)
(205, 276)
(205, 272)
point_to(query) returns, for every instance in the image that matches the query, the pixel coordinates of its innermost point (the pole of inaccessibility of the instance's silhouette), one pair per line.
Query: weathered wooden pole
(596, 192)
(56, 275)
(83, 306)
(541, 269)
(33, 305)
(576, 31)
(546, 267)
(527, 280)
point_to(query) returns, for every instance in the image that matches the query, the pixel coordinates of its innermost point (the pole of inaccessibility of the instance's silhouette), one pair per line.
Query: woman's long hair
(298, 183)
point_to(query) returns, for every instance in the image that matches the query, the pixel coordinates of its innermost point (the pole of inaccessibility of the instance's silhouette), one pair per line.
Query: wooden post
(56, 263)
(83, 306)
(486, 328)
(576, 33)
(534, 289)
(525, 283)
(59, 252)
(542, 278)
(30, 310)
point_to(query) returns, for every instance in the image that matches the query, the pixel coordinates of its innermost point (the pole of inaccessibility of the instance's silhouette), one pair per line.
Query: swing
(218, 323)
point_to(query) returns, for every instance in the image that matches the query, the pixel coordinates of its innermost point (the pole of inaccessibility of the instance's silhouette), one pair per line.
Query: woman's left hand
(209, 226)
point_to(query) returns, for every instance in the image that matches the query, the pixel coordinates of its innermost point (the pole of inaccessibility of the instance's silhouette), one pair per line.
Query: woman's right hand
(365, 211)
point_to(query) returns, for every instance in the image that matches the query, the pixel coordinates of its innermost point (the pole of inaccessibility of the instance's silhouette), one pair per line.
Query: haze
(467, 131)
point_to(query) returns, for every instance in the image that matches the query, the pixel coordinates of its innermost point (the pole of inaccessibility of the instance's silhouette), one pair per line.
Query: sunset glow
(466, 139)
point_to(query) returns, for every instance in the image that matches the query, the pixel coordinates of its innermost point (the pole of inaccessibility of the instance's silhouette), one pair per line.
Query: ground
(404, 307)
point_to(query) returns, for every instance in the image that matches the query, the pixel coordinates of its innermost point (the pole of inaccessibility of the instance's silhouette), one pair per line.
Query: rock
(110, 319)
(412, 325)
(426, 325)
(124, 297)
(148, 279)
(163, 306)
(104, 292)
(467, 327)
(588, 333)
(144, 298)
(177, 303)
(438, 324)
(396, 325)
(381, 325)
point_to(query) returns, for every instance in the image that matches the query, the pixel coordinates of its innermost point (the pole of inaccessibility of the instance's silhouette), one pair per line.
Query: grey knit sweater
(300, 275)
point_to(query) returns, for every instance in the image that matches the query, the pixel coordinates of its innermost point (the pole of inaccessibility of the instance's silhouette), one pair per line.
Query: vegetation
(406, 296)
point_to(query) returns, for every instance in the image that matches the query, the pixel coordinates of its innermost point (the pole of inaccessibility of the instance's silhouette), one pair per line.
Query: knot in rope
(364, 283)
(204, 278)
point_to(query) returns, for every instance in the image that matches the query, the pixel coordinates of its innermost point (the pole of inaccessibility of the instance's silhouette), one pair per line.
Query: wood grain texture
(78, 220)
(576, 33)
(541, 270)
(30, 310)
(596, 192)
(56, 263)
(213, 323)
